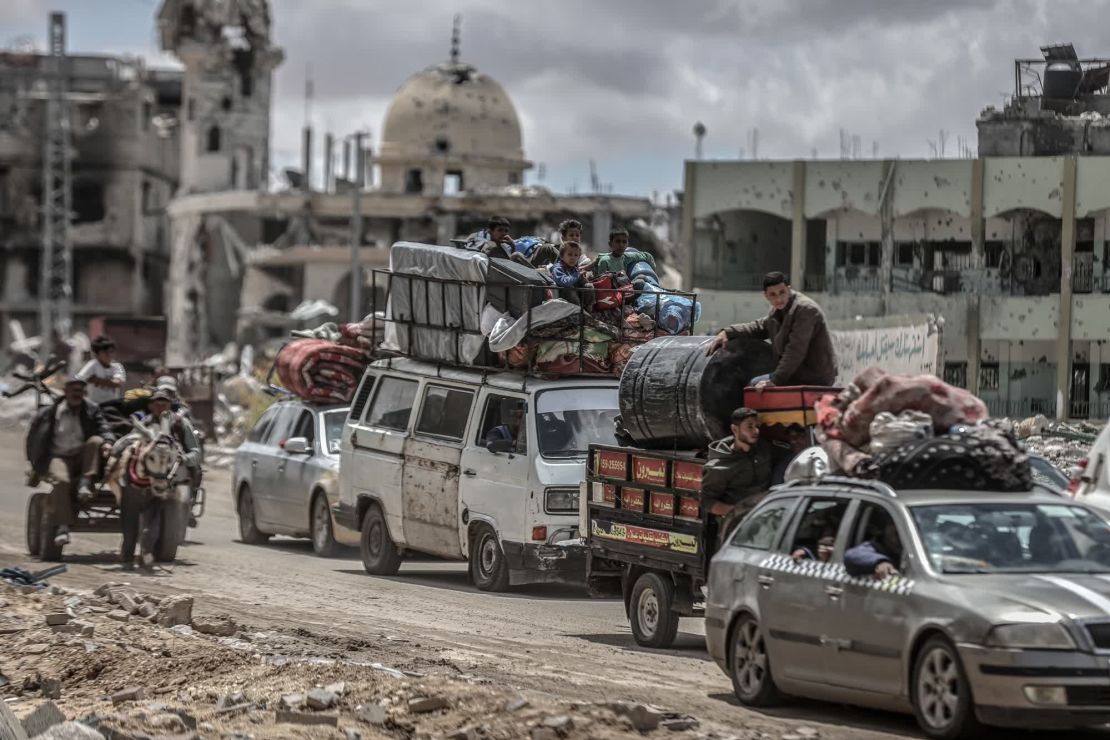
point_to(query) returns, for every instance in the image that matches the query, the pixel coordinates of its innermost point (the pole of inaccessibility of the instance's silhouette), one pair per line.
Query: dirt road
(554, 640)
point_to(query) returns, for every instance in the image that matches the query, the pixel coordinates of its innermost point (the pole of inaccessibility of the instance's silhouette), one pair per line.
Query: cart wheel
(654, 622)
(174, 516)
(48, 550)
(36, 508)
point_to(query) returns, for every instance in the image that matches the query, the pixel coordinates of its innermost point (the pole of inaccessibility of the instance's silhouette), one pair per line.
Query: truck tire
(249, 533)
(651, 616)
(323, 538)
(174, 513)
(36, 508)
(488, 569)
(380, 556)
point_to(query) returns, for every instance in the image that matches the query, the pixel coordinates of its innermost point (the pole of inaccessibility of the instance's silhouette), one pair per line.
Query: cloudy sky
(624, 81)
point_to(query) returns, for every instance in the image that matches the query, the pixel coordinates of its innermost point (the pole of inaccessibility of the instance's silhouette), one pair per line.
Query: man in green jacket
(619, 257)
(739, 470)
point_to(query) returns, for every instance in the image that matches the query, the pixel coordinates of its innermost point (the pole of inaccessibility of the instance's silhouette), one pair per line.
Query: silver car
(997, 612)
(285, 475)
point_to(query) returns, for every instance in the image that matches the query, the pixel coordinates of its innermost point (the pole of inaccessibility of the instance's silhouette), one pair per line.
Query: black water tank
(674, 397)
(1061, 80)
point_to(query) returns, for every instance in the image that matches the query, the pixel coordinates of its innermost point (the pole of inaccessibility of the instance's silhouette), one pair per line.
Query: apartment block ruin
(126, 167)
(1011, 248)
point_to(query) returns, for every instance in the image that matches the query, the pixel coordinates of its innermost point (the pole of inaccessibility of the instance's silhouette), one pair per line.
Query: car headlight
(1051, 636)
(560, 499)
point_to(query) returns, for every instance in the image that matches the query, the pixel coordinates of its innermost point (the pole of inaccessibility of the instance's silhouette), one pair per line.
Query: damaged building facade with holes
(125, 170)
(450, 155)
(1011, 248)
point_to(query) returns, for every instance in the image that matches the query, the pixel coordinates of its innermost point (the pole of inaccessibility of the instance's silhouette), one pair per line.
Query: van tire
(380, 556)
(488, 568)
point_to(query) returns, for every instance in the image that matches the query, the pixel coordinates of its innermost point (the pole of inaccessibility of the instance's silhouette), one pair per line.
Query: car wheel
(249, 533)
(942, 699)
(380, 556)
(749, 667)
(651, 614)
(488, 569)
(323, 538)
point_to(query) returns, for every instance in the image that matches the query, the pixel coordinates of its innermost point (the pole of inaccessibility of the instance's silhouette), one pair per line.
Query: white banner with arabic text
(911, 349)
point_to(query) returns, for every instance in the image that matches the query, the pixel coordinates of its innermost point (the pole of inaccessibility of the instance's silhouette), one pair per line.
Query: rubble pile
(1061, 443)
(119, 664)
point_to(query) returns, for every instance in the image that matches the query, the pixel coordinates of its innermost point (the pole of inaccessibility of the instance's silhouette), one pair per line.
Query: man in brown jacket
(799, 336)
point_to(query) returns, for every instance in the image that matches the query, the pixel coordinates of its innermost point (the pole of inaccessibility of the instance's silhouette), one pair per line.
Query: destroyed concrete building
(1011, 248)
(450, 155)
(125, 170)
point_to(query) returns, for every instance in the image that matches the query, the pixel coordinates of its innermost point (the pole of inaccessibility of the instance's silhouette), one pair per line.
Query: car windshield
(569, 420)
(333, 429)
(1014, 538)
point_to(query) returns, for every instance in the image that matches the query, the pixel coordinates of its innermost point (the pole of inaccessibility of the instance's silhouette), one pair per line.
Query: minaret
(229, 61)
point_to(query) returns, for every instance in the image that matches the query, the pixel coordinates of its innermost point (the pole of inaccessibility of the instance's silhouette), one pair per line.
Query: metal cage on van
(440, 320)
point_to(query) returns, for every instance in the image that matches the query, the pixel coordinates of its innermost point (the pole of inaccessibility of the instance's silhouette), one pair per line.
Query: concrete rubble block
(122, 696)
(216, 626)
(104, 588)
(352, 734)
(372, 714)
(231, 699)
(560, 723)
(284, 716)
(36, 649)
(50, 687)
(167, 721)
(175, 610)
(70, 731)
(516, 704)
(643, 717)
(10, 727)
(147, 610)
(291, 701)
(45, 716)
(322, 699)
(425, 704)
(680, 724)
(118, 615)
(544, 733)
(57, 619)
(127, 602)
(339, 689)
(466, 733)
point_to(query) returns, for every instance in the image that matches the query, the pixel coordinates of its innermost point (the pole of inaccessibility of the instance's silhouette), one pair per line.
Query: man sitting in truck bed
(739, 470)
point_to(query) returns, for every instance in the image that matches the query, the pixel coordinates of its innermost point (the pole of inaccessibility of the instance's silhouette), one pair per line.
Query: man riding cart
(66, 446)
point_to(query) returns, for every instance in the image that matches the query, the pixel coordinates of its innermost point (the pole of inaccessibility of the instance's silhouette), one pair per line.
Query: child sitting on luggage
(566, 274)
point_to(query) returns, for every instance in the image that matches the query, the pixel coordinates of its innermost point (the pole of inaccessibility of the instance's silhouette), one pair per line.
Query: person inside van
(512, 418)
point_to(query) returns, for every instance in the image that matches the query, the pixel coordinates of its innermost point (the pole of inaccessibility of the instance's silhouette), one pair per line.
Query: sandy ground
(554, 643)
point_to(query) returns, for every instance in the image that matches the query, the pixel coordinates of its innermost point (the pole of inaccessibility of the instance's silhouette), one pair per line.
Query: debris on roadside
(119, 674)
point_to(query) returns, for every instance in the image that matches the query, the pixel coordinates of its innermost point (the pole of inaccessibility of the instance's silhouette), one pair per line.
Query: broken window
(904, 254)
(147, 197)
(955, 373)
(988, 376)
(1103, 378)
(514, 178)
(992, 253)
(213, 143)
(191, 109)
(453, 182)
(225, 104)
(414, 181)
(88, 202)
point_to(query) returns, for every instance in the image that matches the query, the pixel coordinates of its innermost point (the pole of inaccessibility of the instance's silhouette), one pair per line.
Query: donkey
(144, 472)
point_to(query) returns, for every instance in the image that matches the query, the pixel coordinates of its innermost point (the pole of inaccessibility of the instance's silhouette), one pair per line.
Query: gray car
(284, 477)
(999, 612)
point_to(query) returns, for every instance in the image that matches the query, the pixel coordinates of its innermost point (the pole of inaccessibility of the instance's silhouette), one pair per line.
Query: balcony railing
(1021, 408)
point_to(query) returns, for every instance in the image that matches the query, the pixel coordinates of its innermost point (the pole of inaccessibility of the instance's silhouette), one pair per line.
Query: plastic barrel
(672, 396)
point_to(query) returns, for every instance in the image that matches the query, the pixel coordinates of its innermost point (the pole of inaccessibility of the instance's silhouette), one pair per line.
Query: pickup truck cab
(471, 465)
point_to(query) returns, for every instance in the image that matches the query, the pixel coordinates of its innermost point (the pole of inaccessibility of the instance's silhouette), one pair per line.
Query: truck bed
(644, 508)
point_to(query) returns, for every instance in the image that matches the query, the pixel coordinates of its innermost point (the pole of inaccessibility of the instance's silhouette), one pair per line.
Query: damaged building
(1011, 248)
(125, 162)
(450, 155)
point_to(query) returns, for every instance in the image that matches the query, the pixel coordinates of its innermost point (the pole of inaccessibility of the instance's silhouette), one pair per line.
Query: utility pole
(56, 269)
(356, 229)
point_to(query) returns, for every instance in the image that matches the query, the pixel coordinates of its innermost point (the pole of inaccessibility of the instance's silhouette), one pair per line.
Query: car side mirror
(501, 445)
(296, 446)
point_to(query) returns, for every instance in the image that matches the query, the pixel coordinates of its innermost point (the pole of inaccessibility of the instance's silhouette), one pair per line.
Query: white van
(466, 465)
